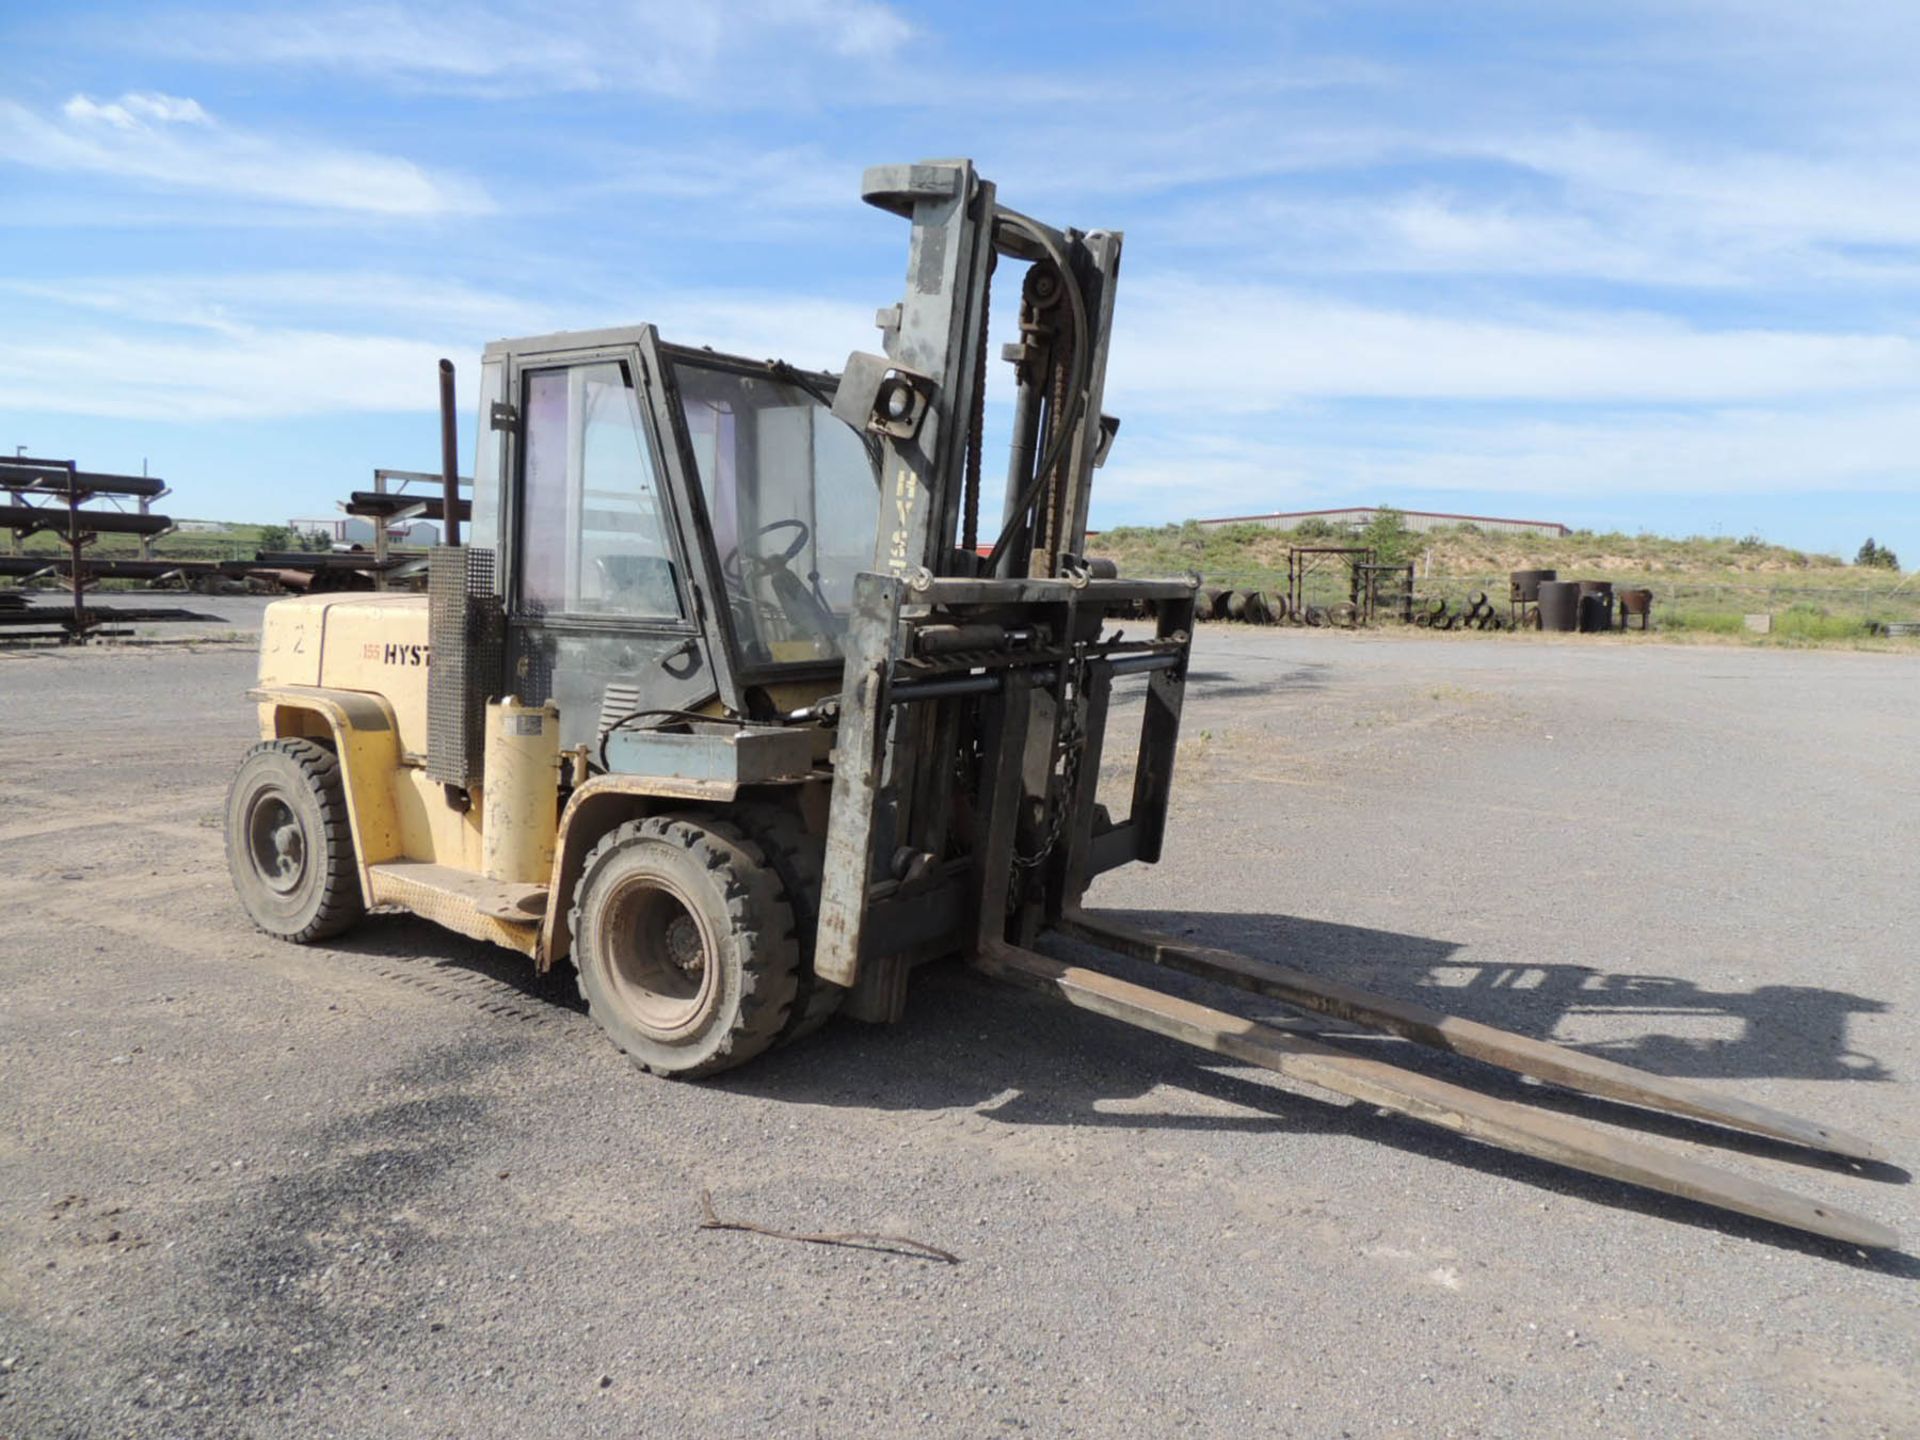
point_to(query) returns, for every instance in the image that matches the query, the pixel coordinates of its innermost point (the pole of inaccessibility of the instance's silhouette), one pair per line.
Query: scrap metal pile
(58, 497)
(1369, 590)
(77, 507)
(1536, 600)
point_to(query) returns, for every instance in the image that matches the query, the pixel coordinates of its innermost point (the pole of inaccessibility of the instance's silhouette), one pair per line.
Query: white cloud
(273, 345)
(134, 109)
(1597, 459)
(200, 378)
(733, 178)
(1184, 344)
(1850, 195)
(237, 304)
(721, 53)
(297, 343)
(174, 144)
(811, 332)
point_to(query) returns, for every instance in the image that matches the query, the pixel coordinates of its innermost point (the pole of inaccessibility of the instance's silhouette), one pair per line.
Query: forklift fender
(362, 731)
(597, 806)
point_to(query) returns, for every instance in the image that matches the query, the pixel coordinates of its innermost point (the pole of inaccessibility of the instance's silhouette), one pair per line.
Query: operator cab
(674, 529)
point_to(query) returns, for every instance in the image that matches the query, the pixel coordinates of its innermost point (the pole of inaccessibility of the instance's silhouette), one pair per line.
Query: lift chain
(1071, 745)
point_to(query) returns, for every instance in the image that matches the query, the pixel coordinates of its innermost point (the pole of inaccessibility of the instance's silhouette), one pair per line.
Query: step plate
(470, 904)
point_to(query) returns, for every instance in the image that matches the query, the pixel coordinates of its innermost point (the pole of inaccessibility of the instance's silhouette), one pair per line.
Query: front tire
(290, 844)
(684, 944)
(798, 857)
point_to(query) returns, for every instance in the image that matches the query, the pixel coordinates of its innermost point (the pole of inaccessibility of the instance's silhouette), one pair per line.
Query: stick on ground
(858, 1240)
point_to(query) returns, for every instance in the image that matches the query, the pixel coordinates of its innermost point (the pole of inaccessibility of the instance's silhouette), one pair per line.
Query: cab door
(602, 613)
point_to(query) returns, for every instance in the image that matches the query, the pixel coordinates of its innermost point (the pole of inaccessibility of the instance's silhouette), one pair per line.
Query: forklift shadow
(425, 956)
(1209, 685)
(1659, 1023)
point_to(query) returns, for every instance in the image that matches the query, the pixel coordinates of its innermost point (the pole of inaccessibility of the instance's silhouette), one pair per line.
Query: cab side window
(593, 518)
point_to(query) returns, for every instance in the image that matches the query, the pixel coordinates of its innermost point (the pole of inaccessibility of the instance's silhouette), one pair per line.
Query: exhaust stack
(449, 456)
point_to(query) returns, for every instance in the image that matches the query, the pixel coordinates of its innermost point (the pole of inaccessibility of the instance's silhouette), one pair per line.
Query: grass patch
(1702, 585)
(1809, 622)
(1709, 622)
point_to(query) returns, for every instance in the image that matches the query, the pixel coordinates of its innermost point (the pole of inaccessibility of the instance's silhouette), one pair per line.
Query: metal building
(1357, 515)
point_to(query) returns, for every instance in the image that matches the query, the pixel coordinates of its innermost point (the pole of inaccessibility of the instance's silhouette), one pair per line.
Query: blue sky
(1633, 265)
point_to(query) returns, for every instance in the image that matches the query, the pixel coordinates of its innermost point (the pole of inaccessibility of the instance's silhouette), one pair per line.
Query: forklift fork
(1489, 1120)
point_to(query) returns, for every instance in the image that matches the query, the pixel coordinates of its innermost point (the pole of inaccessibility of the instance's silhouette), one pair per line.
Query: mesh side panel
(467, 629)
(532, 655)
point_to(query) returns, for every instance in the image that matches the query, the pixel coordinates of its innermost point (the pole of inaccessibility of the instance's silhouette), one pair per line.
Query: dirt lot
(393, 1186)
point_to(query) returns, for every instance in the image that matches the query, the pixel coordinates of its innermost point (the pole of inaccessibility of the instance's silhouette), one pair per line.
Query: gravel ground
(395, 1186)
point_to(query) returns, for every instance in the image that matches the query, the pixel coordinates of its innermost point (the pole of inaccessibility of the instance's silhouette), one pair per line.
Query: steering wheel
(731, 565)
(787, 599)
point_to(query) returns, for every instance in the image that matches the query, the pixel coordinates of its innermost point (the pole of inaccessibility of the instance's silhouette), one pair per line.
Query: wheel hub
(684, 946)
(277, 843)
(655, 956)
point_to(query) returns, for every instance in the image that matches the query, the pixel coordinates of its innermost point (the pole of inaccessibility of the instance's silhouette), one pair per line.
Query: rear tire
(684, 944)
(289, 842)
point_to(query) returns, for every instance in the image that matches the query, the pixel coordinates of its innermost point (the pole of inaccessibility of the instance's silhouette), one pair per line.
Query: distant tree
(1877, 556)
(275, 537)
(316, 539)
(1388, 537)
(1314, 528)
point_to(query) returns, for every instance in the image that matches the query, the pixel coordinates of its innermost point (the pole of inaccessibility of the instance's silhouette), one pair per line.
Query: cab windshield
(793, 501)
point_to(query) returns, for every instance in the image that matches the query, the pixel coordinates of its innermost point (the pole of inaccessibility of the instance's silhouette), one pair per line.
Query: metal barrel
(1596, 606)
(1258, 610)
(1237, 605)
(1277, 609)
(1204, 602)
(1525, 584)
(1559, 602)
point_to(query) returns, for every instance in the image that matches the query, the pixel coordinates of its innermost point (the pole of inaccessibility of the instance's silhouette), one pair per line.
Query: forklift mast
(979, 666)
(923, 401)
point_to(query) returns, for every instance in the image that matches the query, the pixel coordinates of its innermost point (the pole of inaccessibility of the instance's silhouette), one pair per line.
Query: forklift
(732, 702)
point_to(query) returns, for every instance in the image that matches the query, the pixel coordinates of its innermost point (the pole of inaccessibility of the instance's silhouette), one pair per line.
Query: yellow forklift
(731, 701)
